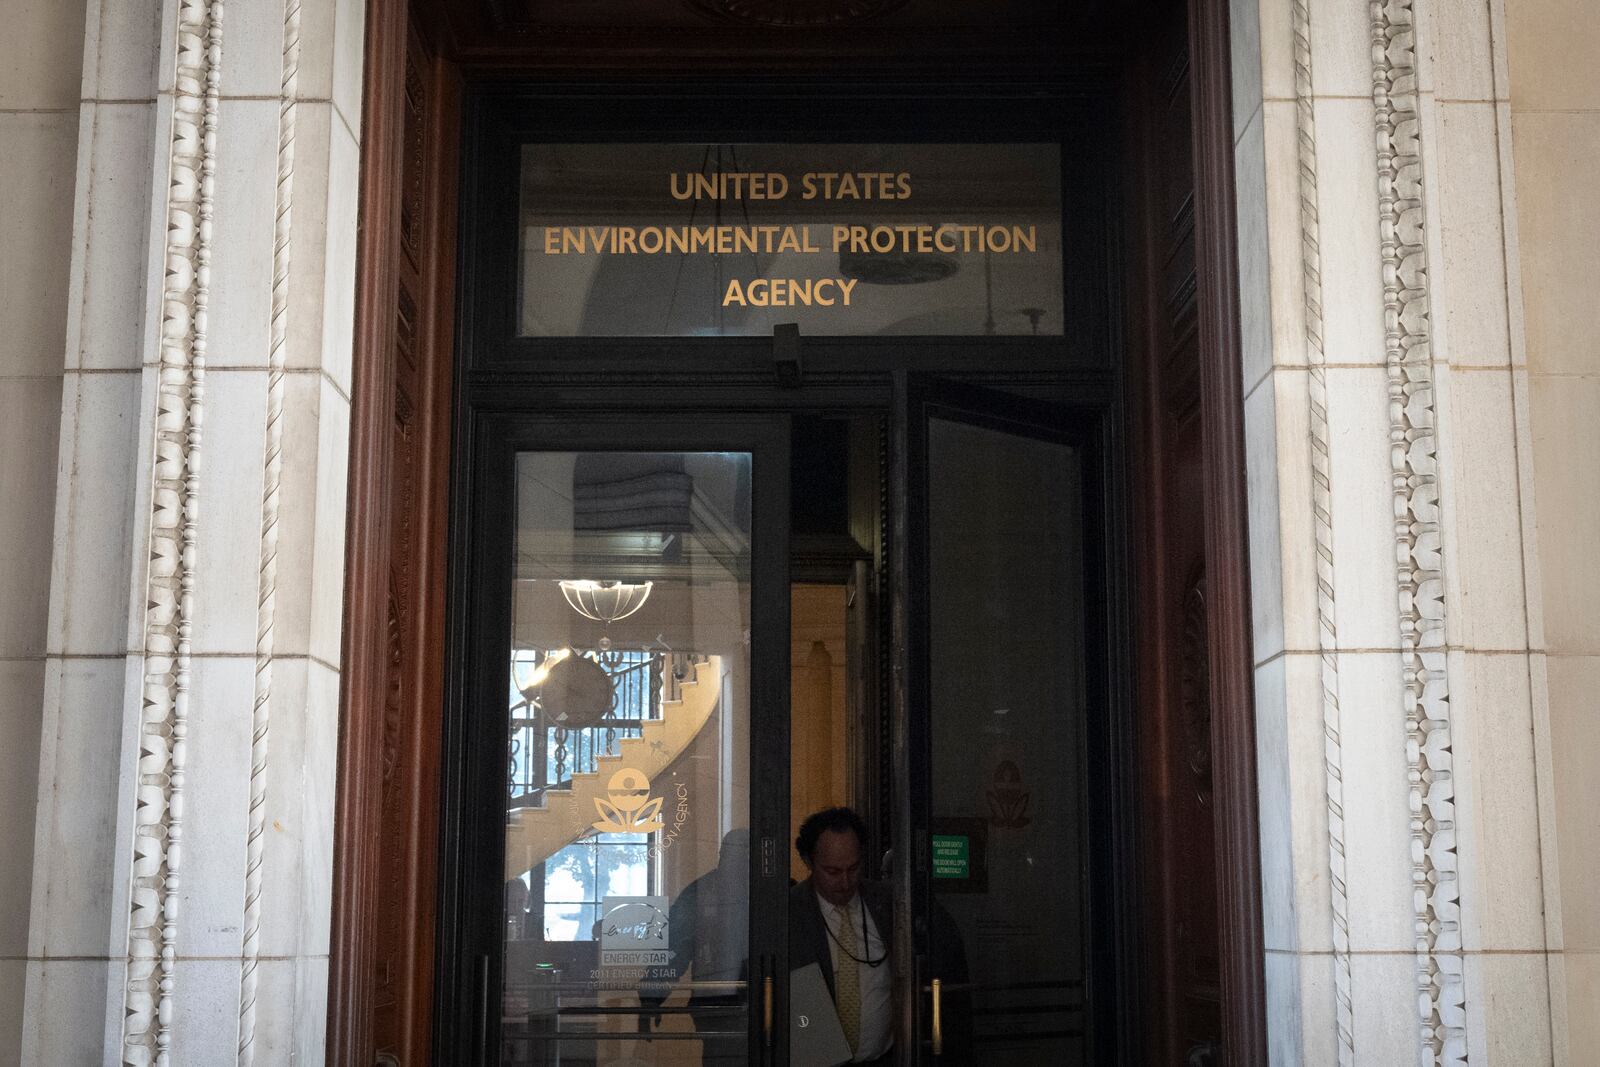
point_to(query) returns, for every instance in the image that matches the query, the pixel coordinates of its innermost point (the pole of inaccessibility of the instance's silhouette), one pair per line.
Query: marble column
(39, 119)
(181, 883)
(1403, 743)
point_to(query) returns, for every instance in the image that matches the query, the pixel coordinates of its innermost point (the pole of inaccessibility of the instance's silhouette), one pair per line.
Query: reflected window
(579, 879)
(627, 763)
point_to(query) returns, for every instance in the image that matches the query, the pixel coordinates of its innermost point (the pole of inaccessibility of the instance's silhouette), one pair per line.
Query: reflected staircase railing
(544, 756)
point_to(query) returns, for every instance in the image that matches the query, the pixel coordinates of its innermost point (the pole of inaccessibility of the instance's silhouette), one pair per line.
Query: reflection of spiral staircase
(535, 834)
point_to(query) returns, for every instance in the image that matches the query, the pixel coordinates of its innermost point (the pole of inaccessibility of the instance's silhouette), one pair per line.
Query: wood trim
(1151, 525)
(385, 849)
(363, 649)
(418, 526)
(1244, 1031)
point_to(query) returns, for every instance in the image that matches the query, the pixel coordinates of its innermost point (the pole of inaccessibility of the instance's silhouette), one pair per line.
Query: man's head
(831, 843)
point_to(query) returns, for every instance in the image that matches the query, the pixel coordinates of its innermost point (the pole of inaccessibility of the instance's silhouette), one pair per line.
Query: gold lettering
(904, 181)
(789, 292)
(731, 185)
(551, 236)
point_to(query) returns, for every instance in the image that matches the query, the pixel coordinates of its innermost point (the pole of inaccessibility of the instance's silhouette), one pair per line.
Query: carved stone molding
(1441, 993)
(267, 588)
(1322, 524)
(169, 581)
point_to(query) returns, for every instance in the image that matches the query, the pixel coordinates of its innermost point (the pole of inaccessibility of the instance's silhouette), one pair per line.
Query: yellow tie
(847, 981)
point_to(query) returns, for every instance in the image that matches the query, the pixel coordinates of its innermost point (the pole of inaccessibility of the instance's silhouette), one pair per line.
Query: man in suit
(842, 922)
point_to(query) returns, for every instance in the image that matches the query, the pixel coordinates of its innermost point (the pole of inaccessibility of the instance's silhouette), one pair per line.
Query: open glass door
(990, 727)
(623, 882)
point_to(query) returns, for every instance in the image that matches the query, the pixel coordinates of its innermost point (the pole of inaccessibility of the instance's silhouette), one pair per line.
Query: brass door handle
(938, 1021)
(766, 1008)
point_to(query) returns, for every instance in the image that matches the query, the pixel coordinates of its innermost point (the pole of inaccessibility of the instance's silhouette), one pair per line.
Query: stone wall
(1408, 804)
(39, 123)
(1554, 114)
(182, 837)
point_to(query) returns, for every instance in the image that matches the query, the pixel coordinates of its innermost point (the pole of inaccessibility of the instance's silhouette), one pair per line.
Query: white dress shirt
(876, 1031)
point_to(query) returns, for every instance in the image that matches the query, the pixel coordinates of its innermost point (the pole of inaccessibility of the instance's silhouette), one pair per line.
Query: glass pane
(678, 240)
(1006, 599)
(627, 773)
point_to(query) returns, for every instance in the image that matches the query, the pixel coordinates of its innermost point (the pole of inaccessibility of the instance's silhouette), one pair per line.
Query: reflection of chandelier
(605, 602)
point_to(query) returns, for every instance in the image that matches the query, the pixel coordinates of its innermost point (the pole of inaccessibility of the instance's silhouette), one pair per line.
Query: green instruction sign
(952, 856)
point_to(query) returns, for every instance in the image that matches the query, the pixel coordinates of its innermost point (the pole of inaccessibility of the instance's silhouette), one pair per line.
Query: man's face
(836, 866)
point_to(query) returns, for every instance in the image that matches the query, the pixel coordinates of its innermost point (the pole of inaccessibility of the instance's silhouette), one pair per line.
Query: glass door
(990, 701)
(624, 736)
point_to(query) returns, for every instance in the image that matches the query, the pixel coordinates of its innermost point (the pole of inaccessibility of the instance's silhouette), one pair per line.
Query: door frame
(470, 935)
(391, 687)
(1108, 862)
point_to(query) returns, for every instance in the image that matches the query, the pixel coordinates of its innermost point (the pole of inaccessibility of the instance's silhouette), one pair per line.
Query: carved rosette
(1441, 993)
(169, 582)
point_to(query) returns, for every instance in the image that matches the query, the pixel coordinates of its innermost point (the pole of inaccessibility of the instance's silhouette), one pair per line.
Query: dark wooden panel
(952, 37)
(365, 646)
(1233, 735)
(1202, 988)
(385, 851)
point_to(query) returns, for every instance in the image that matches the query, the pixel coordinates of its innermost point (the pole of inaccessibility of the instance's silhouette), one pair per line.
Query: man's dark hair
(837, 820)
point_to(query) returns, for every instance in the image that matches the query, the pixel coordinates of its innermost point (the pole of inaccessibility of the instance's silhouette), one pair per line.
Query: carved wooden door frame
(382, 936)
(385, 831)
